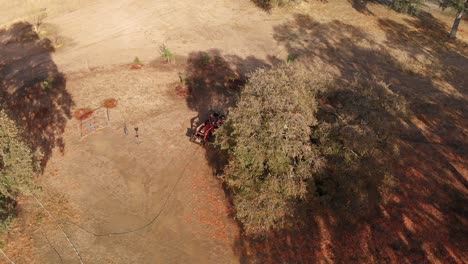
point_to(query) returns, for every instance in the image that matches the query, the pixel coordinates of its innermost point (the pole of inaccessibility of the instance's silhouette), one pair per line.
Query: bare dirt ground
(114, 184)
(127, 29)
(107, 183)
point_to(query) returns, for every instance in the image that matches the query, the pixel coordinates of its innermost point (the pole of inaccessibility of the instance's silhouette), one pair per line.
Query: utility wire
(11, 261)
(50, 244)
(61, 229)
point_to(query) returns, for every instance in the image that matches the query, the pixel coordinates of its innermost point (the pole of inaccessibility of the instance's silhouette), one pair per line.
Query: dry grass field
(154, 199)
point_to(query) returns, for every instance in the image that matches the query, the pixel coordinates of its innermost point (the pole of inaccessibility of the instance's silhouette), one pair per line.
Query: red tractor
(205, 130)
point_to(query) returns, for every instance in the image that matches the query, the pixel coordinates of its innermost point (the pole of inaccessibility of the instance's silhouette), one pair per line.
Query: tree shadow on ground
(266, 5)
(424, 218)
(214, 81)
(32, 89)
(361, 6)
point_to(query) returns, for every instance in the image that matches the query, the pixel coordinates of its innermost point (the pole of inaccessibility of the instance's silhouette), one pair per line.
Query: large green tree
(268, 138)
(17, 164)
(461, 6)
(294, 138)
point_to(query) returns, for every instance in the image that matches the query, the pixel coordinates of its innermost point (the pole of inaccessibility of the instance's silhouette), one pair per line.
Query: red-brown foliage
(83, 113)
(109, 103)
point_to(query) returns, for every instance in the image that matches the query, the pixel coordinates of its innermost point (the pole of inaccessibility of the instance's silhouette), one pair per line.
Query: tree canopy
(17, 162)
(268, 136)
(459, 5)
(285, 149)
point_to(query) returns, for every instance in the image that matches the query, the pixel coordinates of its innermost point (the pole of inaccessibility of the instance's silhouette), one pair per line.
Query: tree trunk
(456, 23)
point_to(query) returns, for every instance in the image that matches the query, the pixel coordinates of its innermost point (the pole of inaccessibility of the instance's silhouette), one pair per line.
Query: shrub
(407, 6)
(39, 20)
(137, 61)
(166, 54)
(137, 64)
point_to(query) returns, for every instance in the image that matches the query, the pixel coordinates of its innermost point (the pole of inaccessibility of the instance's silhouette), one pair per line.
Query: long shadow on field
(358, 5)
(32, 89)
(425, 217)
(361, 6)
(214, 82)
(263, 4)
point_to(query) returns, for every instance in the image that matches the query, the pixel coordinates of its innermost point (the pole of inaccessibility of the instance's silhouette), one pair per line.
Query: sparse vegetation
(182, 79)
(137, 64)
(39, 19)
(166, 53)
(182, 88)
(45, 84)
(268, 4)
(407, 6)
(137, 61)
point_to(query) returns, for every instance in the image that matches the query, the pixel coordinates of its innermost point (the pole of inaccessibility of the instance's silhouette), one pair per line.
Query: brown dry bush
(296, 137)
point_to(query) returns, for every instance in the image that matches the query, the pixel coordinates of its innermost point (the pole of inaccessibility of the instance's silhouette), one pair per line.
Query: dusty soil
(163, 188)
(158, 188)
(127, 29)
(122, 184)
